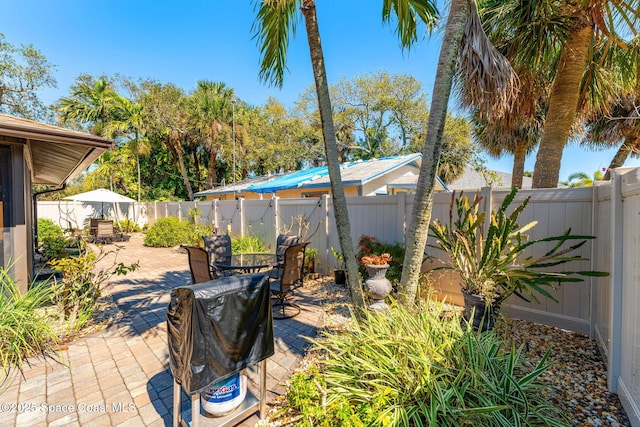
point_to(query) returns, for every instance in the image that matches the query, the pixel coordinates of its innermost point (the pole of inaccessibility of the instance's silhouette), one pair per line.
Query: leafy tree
(167, 122)
(276, 139)
(23, 71)
(274, 24)
(393, 107)
(385, 112)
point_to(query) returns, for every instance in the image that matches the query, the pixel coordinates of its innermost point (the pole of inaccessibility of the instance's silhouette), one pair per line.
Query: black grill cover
(217, 328)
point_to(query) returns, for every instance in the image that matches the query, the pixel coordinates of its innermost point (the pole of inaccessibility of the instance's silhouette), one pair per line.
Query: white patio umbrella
(101, 195)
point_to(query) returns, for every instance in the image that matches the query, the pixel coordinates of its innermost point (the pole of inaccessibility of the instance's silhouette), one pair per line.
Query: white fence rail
(603, 307)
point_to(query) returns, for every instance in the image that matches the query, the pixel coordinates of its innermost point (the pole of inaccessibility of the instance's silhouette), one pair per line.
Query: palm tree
(210, 113)
(622, 124)
(129, 121)
(581, 179)
(274, 24)
(486, 78)
(90, 103)
(595, 22)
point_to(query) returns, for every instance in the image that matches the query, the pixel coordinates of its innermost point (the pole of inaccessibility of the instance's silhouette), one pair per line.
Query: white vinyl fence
(604, 307)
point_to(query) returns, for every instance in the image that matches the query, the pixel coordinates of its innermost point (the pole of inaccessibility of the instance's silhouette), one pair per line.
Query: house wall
(379, 184)
(16, 232)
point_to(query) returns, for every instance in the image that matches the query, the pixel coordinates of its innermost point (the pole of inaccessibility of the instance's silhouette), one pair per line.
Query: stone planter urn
(377, 286)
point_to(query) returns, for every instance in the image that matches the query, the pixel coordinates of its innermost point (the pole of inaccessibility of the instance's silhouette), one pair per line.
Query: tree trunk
(341, 213)
(183, 169)
(418, 230)
(621, 155)
(519, 156)
(563, 107)
(212, 176)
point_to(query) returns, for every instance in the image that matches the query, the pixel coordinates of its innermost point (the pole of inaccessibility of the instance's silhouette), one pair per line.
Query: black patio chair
(199, 265)
(219, 249)
(286, 280)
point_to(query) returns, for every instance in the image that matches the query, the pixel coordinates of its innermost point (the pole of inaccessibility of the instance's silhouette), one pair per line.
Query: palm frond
(409, 14)
(486, 78)
(275, 24)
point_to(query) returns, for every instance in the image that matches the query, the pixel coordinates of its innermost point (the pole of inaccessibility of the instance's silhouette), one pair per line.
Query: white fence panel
(629, 380)
(601, 304)
(555, 210)
(71, 214)
(259, 220)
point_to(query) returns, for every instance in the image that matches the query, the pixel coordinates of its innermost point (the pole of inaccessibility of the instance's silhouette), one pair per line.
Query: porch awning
(57, 154)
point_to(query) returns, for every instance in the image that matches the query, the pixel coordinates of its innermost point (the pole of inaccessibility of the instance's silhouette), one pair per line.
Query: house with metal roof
(360, 178)
(34, 153)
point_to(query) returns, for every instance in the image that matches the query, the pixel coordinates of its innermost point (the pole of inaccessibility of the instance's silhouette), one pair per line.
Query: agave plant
(494, 265)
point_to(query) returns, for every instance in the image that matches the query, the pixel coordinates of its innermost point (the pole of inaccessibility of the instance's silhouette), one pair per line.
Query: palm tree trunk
(621, 155)
(136, 210)
(418, 230)
(212, 176)
(341, 213)
(563, 107)
(183, 169)
(519, 156)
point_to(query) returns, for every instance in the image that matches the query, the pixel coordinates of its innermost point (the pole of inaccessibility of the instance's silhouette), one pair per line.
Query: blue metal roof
(290, 181)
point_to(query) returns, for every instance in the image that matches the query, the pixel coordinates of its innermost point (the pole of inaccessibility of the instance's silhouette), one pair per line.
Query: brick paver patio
(120, 376)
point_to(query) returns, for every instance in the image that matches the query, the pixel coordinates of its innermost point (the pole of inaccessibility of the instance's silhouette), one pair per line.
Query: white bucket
(224, 396)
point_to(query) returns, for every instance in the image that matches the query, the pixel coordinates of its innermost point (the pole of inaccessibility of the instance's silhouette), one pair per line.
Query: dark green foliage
(418, 368)
(371, 246)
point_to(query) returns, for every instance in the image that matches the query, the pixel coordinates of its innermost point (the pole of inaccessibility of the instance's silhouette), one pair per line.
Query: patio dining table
(247, 263)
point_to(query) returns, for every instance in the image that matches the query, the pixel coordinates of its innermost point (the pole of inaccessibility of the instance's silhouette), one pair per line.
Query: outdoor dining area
(284, 268)
(232, 302)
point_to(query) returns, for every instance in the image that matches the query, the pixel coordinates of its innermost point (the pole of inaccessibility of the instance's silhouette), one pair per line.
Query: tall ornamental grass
(24, 331)
(249, 244)
(403, 368)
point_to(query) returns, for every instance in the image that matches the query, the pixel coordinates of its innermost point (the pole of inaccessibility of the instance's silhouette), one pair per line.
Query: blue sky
(183, 42)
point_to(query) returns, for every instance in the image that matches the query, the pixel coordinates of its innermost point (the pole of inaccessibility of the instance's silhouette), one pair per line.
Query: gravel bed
(578, 376)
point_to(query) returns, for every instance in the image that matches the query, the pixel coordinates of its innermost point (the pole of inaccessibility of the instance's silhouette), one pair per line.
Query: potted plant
(493, 266)
(310, 256)
(377, 285)
(338, 270)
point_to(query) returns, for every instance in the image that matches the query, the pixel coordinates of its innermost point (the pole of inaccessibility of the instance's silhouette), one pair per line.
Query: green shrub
(249, 244)
(198, 231)
(81, 286)
(415, 368)
(168, 232)
(52, 239)
(371, 246)
(24, 331)
(47, 229)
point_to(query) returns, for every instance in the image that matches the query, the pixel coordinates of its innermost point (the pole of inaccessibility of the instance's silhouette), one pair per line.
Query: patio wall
(605, 308)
